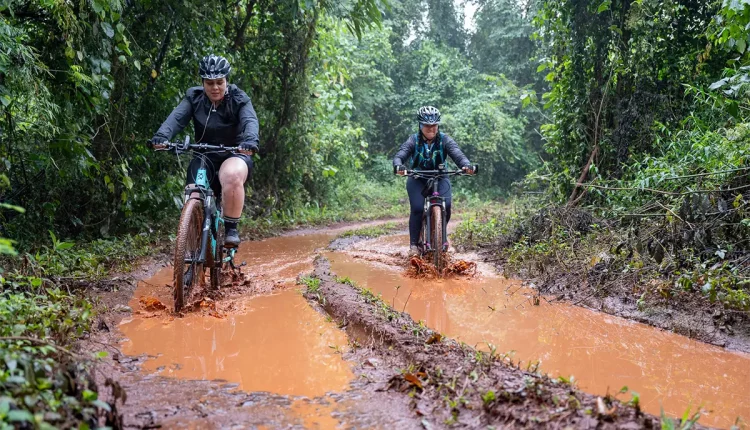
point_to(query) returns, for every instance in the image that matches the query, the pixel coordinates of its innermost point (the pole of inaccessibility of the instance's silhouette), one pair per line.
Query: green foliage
(91, 260)
(41, 382)
(612, 77)
(502, 42)
(83, 86)
(685, 423)
(490, 224)
(720, 281)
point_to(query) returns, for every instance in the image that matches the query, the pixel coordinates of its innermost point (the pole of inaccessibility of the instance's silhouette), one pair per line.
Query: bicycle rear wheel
(436, 225)
(187, 272)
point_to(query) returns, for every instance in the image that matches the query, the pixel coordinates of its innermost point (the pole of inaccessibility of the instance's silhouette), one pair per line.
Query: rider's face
(215, 89)
(429, 131)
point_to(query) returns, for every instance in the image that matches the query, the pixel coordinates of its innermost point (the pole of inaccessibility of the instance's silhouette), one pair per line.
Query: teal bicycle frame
(212, 214)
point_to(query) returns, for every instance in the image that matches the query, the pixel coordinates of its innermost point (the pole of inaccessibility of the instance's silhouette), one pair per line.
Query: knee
(233, 178)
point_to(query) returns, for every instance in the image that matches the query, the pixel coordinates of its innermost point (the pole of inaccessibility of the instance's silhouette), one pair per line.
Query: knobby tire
(436, 225)
(187, 275)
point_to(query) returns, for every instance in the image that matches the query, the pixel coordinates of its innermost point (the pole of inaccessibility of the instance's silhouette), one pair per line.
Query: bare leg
(232, 175)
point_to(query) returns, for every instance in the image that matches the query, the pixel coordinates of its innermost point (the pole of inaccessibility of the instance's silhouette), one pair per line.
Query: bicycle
(434, 224)
(200, 225)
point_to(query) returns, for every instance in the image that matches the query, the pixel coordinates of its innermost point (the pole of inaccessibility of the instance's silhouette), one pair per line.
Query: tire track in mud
(447, 383)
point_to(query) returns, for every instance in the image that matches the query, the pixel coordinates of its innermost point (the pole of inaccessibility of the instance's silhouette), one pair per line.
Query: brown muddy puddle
(603, 352)
(275, 343)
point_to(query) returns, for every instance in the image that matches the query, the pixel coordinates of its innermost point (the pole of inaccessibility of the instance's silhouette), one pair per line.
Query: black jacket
(233, 123)
(450, 147)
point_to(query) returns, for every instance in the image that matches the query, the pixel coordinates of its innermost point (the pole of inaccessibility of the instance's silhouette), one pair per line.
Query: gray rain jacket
(233, 123)
(423, 159)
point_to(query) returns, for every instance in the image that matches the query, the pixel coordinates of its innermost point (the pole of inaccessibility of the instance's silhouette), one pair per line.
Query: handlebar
(441, 172)
(186, 146)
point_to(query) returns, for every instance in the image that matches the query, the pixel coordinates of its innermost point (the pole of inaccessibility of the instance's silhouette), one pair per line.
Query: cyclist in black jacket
(222, 114)
(427, 149)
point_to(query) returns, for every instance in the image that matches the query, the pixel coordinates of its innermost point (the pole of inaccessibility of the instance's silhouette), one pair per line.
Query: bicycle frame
(213, 217)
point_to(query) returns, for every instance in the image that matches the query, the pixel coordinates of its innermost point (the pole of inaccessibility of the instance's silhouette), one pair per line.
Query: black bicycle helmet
(214, 67)
(428, 115)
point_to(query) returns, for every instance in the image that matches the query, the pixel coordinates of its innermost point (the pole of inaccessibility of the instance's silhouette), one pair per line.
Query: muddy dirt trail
(262, 355)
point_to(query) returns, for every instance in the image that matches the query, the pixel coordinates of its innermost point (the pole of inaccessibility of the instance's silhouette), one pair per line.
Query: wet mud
(447, 383)
(603, 353)
(258, 355)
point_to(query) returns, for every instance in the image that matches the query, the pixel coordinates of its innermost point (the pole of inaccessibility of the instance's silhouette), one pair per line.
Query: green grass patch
(312, 284)
(371, 231)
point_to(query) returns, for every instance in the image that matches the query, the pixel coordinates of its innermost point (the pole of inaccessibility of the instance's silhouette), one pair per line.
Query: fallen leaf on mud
(413, 380)
(371, 362)
(151, 303)
(215, 314)
(435, 338)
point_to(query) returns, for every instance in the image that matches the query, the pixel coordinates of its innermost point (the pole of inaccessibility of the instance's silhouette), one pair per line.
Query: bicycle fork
(434, 200)
(206, 232)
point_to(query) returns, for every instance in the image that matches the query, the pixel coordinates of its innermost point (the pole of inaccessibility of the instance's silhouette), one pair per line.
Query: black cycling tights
(417, 189)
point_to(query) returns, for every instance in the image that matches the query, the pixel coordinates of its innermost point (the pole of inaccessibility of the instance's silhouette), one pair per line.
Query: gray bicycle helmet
(428, 115)
(214, 67)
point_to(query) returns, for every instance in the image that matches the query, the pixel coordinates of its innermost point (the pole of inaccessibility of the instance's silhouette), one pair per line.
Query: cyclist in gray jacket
(427, 149)
(222, 114)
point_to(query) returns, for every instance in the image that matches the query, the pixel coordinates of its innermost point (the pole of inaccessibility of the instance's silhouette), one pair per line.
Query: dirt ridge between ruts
(450, 383)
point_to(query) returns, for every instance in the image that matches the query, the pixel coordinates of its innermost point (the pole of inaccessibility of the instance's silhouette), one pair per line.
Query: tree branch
(162, 55)
(239, 39)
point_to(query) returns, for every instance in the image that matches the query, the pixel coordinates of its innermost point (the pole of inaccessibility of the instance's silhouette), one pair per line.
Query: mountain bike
(433, 237)
(200, 234)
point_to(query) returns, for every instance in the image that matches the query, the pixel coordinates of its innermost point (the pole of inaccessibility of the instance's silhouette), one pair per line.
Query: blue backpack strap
(442, 147)
(417, 157)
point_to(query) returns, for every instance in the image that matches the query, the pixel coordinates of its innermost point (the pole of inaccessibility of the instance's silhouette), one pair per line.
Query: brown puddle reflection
(283, 257)
(278, 344)
(602, 352)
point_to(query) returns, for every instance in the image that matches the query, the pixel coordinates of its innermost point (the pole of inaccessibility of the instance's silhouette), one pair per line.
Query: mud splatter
(418, 268)
(151, 304)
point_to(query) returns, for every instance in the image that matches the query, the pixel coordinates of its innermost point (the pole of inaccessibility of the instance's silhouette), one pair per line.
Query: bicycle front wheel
(436, 225)
(187, 271)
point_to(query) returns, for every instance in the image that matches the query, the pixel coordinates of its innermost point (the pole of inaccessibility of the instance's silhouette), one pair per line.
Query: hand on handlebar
(471, 169)
(248, 148)
(399, 170)
(157, 143)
